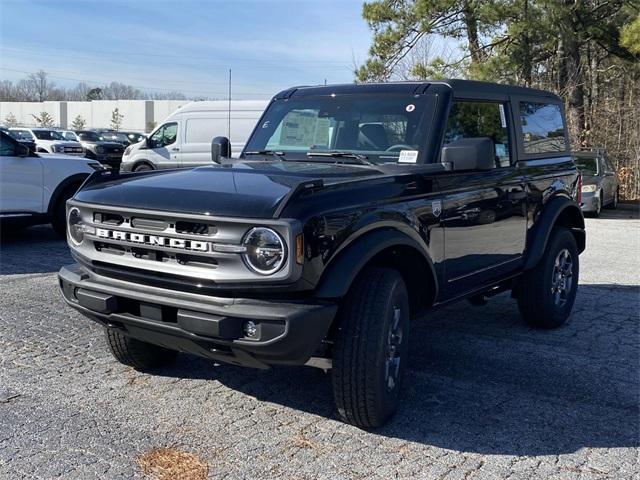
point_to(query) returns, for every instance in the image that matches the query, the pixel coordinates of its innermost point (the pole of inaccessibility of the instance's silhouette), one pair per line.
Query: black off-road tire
(537, 298)
(137, 354)
(376, 303)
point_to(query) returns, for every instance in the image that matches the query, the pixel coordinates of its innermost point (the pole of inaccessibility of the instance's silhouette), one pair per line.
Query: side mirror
(220, 148)
(22, 150)
(469, 154)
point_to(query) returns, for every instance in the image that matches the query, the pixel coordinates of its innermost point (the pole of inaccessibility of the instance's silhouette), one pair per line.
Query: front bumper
(287, 332)
(112, 161)
(589, 202)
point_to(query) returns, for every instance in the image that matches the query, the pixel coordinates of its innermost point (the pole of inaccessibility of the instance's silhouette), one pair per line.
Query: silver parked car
(600, 187)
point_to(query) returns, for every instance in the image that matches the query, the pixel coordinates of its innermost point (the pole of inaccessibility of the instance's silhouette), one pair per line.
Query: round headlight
(266, 252)
(75, 226)
(100, 149)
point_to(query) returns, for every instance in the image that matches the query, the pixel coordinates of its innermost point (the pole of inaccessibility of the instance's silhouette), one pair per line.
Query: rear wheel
(547, 292)
(136, 353)
(371, 348)
(142, 167)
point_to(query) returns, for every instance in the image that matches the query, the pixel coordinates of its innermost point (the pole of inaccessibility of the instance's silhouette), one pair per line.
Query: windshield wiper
(272, 153)
(363, 159)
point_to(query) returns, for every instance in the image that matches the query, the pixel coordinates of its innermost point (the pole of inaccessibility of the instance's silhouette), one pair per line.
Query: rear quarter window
(543, 129)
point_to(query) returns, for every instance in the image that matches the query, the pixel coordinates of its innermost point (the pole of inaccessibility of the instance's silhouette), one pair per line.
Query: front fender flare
(78, 178)
(558, 211)
(343, 269)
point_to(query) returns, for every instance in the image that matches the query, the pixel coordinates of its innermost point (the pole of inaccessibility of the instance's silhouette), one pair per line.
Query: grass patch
(172, 464)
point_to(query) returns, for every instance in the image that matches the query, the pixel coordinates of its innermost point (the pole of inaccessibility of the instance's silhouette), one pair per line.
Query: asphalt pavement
(485, 396)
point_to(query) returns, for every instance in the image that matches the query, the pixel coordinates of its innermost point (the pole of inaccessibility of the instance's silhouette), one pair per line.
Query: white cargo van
(183, 139)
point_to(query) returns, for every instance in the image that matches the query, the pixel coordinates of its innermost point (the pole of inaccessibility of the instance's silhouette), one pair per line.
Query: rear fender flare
(558, 211)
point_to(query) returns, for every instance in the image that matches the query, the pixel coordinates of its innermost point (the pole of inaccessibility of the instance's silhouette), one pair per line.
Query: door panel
(21, 184)
(483, 211)
(164, 146)
(484, 215)
(198, 134)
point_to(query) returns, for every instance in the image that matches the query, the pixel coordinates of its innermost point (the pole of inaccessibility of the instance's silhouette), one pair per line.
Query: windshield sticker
(408, 156)
(503, 119)
(410, 108)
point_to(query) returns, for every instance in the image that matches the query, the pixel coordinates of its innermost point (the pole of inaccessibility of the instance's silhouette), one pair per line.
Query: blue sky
(187, 46)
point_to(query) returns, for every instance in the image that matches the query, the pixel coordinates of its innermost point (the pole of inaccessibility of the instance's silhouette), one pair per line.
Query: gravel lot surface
(485, 396)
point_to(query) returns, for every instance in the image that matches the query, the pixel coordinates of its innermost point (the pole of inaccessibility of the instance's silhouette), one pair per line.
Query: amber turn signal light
(299, 249)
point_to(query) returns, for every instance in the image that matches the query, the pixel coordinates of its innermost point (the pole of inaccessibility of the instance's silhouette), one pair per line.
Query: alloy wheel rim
(562, 279)
(393, 359)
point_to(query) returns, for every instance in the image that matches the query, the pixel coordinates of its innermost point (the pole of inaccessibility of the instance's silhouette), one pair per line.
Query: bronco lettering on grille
(153, 240)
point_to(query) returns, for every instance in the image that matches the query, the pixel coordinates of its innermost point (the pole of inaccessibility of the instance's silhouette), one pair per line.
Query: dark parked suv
(95, 146)
(352, 209)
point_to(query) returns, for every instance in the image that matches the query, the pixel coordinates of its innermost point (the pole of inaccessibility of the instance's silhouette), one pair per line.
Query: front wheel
(614, 203)
(371, 348)
(136, 353)
(547, 292)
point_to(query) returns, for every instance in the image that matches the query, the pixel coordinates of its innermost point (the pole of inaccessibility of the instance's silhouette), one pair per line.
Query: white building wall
(24, 111)
(137, 113)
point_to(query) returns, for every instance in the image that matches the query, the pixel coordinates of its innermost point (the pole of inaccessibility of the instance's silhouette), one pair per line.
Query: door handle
(175, 149)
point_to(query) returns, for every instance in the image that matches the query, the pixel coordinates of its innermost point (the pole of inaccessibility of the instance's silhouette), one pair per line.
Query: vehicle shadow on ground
(32, 250)
(625, 211)
(480, 381)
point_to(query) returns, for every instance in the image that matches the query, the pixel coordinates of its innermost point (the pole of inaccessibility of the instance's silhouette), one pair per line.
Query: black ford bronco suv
(351, 209)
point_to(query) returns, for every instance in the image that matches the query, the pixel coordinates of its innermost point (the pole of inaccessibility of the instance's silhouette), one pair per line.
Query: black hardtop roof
(460, 88)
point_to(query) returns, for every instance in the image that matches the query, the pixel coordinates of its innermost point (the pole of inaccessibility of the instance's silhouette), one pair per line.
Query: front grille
(203, 248)
(72, 150)
(195, 228)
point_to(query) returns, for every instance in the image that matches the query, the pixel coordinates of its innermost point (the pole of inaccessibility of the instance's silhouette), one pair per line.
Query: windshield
(90, 136)
(378, 127)
(586, 165)
(48, 135)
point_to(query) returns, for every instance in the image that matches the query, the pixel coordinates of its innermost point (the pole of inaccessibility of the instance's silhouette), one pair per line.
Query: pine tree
(44, 119)
(78, 123)
(11, 120)
(116, 119)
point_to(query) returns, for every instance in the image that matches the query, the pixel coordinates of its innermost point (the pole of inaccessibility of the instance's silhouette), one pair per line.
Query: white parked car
(184, 138)
(34, 187)
(48, 140)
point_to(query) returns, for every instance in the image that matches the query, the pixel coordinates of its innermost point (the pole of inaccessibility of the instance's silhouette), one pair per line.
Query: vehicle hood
(242, 189)
(102, 144)
(63, 143)
(70, 159)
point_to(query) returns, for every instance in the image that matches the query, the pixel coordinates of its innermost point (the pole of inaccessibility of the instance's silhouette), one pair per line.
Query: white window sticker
(408, 156)
(410, 108)
(503, 119)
